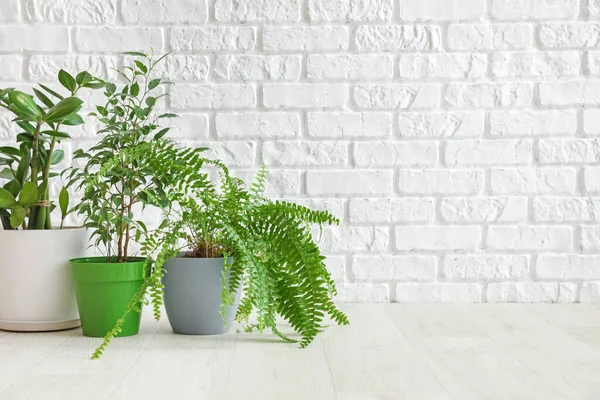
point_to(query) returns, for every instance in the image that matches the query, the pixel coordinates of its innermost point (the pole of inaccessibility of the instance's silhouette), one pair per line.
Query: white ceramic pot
(36, 290)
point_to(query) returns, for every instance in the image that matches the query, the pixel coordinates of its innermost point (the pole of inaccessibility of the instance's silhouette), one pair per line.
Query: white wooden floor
(395, 351)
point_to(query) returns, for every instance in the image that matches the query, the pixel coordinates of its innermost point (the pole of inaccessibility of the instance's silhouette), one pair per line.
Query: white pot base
(16, 326)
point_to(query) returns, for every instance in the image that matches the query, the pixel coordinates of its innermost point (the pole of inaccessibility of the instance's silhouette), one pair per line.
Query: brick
(189, 127)
(234, 154)
(533, 123)
(590, 292)
(560, 266)
(450, 66)
(397, 268)
(531, 64)
(257, 68)
(593, 63)
(565, 209)
(398, 38)
(11, 67)
(409, 154)
(529, 238)
(391, 210)
(34, 38)
(335, 182)
(529, 180)
(279, 182)
(488, 152)
(115, 39)
(488, 209)
(591, 121)
(305, 95)
(488, 95)
(523, 292)
(411, 238)
(441, 124)
(438, 293)
(372, 66)
(442, 10)
(577, 93)
(164, 11)
(11, 11)
(336, 265)
(440, 181)
(305, 38)
(490, 37)
(570, 34)
(44, 68)
(590, 238)
(591, 179)
(561, 151)
(485, 267)
(257, 10)
(183, 67)
(349, 10)
(257, 125)
(304, 153)
(593, 8)
(349, 124)
(213, 96)
(398, 96)
(539, 9)
(362, 293)
(213, 38)
(71, 11)
(354, 238)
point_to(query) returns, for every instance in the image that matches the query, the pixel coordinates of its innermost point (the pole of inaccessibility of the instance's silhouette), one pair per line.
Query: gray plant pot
(192, 296)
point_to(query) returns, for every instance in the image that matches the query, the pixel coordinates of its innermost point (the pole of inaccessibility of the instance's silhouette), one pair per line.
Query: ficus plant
(112, 184)
(28, 166)
(275, 260)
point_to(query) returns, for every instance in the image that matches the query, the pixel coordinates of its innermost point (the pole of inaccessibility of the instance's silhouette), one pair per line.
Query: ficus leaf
(134, 53)
(17, 216)
(25, 104)
(161, 133)
(52, 92)
(135, 89)
(141, 66)
(67, 80)
(153, 83)
(63, 202)
(63, 109)
(7, 200)
(168, 115)
(110, 88)
(28, 195)
(83, 77)
(59, 135)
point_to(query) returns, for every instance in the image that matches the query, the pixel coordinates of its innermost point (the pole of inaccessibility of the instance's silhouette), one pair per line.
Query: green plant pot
(104, 291)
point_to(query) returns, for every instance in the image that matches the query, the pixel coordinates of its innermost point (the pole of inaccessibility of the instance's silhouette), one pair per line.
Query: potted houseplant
(36, 293)
(114, 187)
(240, 242)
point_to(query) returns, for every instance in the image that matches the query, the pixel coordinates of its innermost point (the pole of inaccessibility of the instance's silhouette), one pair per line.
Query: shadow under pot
(192, 295)
(104, 290)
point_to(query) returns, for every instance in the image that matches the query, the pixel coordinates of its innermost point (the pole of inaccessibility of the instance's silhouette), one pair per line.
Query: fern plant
(275, 261)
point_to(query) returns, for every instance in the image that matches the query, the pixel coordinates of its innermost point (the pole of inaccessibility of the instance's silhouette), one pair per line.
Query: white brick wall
(458, 141)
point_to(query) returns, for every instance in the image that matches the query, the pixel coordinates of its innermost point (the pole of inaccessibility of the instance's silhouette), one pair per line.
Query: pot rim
(65, 228)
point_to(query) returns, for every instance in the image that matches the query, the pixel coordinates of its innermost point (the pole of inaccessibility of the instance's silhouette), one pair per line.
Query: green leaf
(161, 133)
(43, 98)
(135, 89)
(14, 187)
(94, 85)
(73, 120)
(11, 151)
(17, 216)
(59, 135)
(7, 200)
(168, 115)
(27, 127)
(7, 173)
(83, 77)
(141, 66)
(63, 201)
(52, 92)
(67, 80)
(28, 195)
(63, 109)
(57, 156)
(150, 101)
(102, 111)
(23, 168)
(111, 88)
(153, 83)
(134, 53)
(25, 104)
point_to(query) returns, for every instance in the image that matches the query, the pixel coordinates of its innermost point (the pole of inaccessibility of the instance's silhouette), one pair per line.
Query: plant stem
(33, 213)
